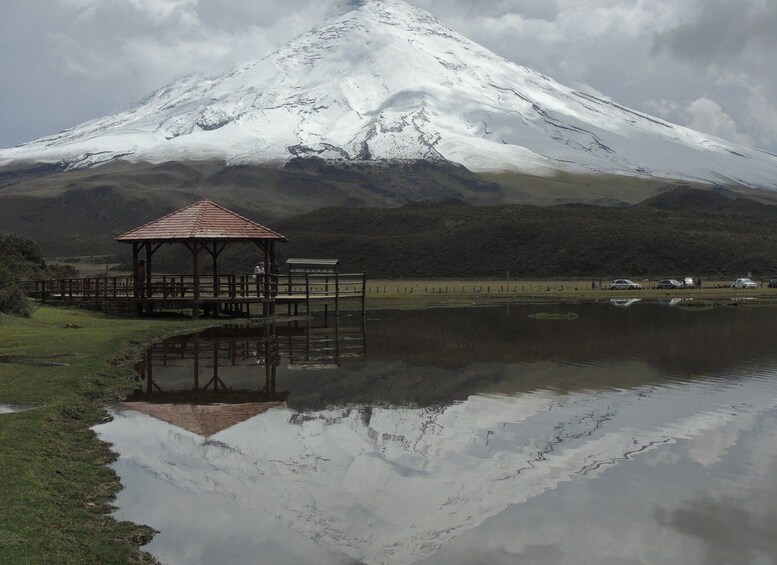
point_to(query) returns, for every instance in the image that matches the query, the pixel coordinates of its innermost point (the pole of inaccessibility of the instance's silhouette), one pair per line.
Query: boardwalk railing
(176, 290)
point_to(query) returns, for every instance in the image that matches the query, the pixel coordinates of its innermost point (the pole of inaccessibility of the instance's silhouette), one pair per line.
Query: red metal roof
(201, 220)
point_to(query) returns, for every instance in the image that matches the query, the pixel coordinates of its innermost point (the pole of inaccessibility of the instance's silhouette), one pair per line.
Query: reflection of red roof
(204, 420)
(201, 220)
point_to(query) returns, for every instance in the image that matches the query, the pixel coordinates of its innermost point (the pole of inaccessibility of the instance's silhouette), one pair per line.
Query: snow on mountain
(387, 81)
(392, 485)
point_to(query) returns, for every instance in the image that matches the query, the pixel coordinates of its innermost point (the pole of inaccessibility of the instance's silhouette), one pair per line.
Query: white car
(624, 284)
(743, 283)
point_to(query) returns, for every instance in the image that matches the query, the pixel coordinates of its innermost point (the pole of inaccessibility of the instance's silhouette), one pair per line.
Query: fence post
(337, 295)
(307, 293)
(364, 291)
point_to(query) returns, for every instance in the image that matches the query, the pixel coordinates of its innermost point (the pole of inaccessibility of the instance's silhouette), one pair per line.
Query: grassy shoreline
(57, 490)
(467, 292)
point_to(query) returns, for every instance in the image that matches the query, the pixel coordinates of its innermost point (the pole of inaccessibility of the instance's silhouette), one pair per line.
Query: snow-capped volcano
(387, 81)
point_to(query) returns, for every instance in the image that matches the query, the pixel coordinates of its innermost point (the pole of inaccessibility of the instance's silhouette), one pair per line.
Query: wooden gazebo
(201, 227)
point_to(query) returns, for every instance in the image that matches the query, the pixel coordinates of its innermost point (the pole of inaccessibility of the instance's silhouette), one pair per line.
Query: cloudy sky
(707, 64)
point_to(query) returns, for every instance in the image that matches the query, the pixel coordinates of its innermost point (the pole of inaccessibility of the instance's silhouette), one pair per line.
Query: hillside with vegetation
(79, 212)
(684, 231)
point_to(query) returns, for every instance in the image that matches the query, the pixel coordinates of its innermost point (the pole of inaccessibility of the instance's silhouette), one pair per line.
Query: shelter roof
(203, 420)
(201, 220)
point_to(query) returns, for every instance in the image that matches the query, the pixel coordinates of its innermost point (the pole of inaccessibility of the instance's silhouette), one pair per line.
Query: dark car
(669, 283)
(773, 282)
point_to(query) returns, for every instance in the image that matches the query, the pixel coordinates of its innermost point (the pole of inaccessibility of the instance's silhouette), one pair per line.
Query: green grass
(57, 487)
(433, 293)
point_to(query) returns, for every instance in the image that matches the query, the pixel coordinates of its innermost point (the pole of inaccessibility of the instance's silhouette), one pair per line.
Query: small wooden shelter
(201, 227)
(206, 227)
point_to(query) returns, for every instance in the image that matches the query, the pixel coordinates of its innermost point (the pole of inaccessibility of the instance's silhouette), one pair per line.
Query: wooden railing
(181, 288)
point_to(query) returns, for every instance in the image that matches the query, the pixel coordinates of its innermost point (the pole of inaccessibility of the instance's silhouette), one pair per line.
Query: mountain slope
(387, 81)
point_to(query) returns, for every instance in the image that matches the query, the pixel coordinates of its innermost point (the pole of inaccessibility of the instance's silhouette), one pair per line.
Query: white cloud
(706, 115)
(664, 108)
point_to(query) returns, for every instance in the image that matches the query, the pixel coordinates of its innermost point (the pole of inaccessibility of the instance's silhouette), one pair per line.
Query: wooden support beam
(195, 248)
(149, 254)
(135, 252)
(196, 364)
(266, 309)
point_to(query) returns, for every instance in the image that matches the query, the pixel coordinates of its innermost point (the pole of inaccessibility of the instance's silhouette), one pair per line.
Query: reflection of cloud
(400, 483)
(730, 528)
(716, 444)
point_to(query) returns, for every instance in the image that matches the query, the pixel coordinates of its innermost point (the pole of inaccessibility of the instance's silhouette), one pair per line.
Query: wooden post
(196, 284)
(196, 364)
(337, 339)
(135, 250)
(337, 295)
(148, 269)
(307, 293)
(215, 256)
(149, 254)
(215, 366)
(274, 278)
(135, 282)
(364, 291)
(266, 310)
(150, 371)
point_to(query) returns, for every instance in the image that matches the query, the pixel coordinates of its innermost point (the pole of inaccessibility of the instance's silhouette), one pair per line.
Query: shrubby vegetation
(21, 258)
(683, 232)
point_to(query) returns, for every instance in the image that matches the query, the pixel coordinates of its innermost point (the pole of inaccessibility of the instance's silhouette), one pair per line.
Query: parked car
(669, 283)
(689, 282)
(743, 283)
(773, 282)
(624, 284)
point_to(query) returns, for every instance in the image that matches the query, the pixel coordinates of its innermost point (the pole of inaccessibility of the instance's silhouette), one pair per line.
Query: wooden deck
(222, 294)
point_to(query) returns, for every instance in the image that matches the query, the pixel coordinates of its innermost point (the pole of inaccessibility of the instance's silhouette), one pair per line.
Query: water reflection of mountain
(393, 485)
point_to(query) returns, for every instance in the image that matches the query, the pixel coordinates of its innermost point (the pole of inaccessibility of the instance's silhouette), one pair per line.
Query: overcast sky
(707, 64)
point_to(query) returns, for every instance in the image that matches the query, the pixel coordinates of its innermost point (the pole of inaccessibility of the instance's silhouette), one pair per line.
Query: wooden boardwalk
(213, 295)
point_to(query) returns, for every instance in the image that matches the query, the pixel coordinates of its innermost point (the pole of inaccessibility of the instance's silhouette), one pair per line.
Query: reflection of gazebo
(203, 226)
(208, 408)
(204, 420)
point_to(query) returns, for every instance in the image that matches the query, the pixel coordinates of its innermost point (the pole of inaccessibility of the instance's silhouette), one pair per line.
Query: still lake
(611, 433)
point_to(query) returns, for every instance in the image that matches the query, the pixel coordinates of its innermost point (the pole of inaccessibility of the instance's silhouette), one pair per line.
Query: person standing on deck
(259, 276)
